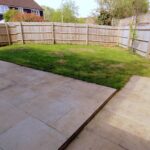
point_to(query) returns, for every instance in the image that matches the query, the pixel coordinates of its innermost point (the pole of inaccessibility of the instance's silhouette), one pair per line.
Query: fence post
(131, 38)
(148, 50)
(87, 34)
(53, 33)
(8, 33)
(21, 32)
(118, 35)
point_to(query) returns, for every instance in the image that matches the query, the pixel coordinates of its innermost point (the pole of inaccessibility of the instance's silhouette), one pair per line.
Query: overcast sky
(85, 6)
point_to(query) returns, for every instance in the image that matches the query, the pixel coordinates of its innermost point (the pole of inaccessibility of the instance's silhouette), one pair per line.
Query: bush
(26, 17)
(16, 16)
(10, 14)
(105, 18)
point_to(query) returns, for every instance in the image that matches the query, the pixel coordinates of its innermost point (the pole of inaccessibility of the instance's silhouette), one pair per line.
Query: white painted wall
(3, 9)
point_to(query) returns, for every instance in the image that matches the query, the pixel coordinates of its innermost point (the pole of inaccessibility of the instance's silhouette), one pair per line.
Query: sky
(85, 6)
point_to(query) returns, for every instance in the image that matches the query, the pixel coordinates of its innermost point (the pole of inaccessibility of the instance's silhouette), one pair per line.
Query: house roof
(31, 4)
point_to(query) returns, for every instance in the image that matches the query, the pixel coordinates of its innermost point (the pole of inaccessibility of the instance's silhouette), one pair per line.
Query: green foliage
(16, 16)
(48, 13)
(68, 11)
(105, 18)
(81, 20)
(56, 16)
(109, 66)
(10, 14)
(51, 14)
(124, 8)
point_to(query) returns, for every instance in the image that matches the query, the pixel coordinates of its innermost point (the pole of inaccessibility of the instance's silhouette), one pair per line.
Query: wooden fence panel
(102, 35)
(70, 33)
(50, 33)
(13, 32)
(124, 36)
(140, 44)
(4, 40)
(37, 33)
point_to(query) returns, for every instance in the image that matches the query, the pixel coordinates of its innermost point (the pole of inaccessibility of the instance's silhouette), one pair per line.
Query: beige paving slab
(6, 67)
(57, 106)
(27, 77)
(9, 116)
(17, 95)
(125, 121)
(4, 83)
(71, 104)
(47, 109)
(89, 140)
(31, 134)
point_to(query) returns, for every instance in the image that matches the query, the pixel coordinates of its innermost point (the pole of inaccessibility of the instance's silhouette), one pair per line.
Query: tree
(51, 14)
(81, 20)
(10, 14)
(48, 13)
(105, 18)
(68, 10)
(124, 8)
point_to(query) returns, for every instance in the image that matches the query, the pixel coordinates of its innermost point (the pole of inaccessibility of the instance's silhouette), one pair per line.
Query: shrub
(105, 18)
(10, 14)
(26, 17)
(16, 16)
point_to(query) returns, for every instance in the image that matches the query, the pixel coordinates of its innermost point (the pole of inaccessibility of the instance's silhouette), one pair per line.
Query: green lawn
(109, 66)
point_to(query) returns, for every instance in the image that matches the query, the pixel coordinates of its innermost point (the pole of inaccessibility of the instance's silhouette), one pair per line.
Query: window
(20, 9)
(35, 11)
(3, 8)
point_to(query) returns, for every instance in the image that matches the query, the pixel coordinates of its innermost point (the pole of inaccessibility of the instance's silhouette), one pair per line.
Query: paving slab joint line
(45, 123)
(30, 115)
(9, 86)
(123, 147)
(66, 144)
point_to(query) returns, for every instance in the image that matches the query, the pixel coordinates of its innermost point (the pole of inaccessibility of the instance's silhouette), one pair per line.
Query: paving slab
(6, 67)
(4, 83)
(31, 134)
(41, 111)
(9, 116)
(124, 123)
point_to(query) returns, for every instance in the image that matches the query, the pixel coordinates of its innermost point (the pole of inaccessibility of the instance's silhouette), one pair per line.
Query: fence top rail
(14, 24)
(63, 25)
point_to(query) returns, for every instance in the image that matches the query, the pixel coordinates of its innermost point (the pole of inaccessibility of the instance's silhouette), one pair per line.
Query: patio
(41, 111)
(123, 124)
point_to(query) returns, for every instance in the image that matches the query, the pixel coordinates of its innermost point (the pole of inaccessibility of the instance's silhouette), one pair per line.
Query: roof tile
(31, 4)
